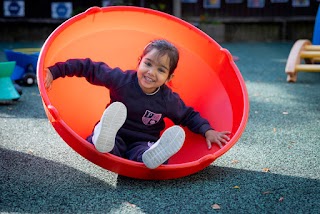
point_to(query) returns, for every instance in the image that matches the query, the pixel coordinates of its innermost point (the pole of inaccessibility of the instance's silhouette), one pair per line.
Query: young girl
(140, 100)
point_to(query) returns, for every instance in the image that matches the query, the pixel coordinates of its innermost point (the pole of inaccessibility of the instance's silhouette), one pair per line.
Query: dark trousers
(132, 151)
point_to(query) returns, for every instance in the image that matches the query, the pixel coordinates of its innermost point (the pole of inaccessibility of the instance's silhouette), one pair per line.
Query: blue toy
(316, 30)
(26, 64)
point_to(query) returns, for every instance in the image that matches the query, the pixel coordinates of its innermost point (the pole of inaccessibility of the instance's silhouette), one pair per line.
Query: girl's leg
(169, 143)
(119, 148)
(105, 131)
(136, 149)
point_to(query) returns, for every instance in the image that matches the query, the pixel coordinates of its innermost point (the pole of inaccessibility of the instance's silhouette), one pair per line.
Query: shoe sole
(170, 143)
(111, 121)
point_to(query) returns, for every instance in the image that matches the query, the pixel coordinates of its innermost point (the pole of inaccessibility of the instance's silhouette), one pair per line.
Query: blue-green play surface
(273, 168)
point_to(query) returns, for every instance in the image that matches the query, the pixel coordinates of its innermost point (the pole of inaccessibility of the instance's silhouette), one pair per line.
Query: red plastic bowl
(206, 78)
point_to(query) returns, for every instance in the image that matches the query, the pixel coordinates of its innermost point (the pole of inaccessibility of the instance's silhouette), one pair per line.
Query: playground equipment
(26, 64)
(316, 30)
(302, 50)
(304, 55)
(206, 78)
(7, 88)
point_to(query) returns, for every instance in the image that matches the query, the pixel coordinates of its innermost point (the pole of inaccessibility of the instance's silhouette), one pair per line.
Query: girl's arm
(187, 116)
(97, 73)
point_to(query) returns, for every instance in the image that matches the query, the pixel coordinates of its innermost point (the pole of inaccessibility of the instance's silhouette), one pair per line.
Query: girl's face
(153, 71)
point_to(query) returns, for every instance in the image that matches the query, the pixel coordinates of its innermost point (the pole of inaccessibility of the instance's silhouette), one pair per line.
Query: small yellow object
(266, 169)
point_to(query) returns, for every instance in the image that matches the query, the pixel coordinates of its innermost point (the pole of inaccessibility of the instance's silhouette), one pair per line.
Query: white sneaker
(106, 130)
(170, 143)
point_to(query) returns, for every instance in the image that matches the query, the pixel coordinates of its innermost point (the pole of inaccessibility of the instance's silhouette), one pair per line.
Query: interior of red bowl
(206, 77)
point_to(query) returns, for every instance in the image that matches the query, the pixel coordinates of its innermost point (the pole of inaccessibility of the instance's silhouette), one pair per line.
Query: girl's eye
(148, 63)
(161, 70)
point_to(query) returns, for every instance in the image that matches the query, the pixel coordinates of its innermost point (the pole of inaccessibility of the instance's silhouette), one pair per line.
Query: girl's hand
(219, 138)
(48, 79)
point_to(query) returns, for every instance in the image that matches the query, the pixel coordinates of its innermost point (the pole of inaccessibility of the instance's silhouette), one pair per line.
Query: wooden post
(177, 8)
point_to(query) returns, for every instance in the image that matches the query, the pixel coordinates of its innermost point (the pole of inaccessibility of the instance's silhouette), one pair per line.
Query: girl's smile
(153, 71)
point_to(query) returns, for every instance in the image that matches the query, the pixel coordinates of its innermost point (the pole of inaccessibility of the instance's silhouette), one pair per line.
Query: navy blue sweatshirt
(145, 112)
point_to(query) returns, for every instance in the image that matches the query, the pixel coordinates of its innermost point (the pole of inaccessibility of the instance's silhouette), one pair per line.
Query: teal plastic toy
(7, 88)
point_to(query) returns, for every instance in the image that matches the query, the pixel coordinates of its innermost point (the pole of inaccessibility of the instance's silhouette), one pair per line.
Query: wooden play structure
(303, 57)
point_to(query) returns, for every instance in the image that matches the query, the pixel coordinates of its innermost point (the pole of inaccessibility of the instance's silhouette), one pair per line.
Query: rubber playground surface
(273, 168)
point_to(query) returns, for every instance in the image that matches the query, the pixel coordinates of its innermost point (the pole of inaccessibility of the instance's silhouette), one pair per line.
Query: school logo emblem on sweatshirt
(149, 118)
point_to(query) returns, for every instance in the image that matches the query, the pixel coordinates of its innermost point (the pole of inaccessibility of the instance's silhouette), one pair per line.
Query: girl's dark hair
(164, 47)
